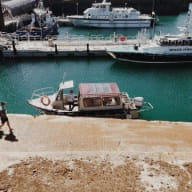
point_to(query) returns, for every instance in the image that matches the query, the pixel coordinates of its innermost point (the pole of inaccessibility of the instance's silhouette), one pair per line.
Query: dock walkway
(68, 46)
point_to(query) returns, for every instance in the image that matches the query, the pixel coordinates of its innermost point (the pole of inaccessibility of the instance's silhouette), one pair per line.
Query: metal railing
(42, 91)
(66, 37)
(74, 40)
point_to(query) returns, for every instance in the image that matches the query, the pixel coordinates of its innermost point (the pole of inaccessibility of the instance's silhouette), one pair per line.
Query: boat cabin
(91, 97)
(99, 96)
(175, 41)
(104, 10)
(98, 9)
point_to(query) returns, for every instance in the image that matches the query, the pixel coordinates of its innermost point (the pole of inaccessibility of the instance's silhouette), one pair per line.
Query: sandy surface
(54, 153)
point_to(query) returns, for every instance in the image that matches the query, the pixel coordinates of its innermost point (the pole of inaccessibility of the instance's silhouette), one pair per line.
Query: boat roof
(176, 37)
(99, 89)
(102, 3)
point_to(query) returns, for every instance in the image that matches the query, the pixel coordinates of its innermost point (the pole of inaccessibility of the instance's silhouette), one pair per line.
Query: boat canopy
(98, 89)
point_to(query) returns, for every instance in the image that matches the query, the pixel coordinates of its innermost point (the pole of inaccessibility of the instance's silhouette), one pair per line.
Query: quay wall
(161, 7)
(58, 153)
(96, 134)
(60, 134)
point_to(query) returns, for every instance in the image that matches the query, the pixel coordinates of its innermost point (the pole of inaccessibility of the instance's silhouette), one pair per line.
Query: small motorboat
(93, 99)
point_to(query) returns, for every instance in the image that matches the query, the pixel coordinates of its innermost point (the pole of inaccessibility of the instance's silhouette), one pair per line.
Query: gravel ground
(96, 175)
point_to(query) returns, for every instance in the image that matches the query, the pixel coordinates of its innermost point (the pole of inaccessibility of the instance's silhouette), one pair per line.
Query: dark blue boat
(43, 24)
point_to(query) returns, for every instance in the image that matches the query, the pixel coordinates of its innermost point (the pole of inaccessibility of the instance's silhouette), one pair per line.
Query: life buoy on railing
(45, 100)
(122, 38)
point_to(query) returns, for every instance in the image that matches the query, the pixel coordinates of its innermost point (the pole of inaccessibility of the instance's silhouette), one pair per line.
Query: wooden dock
(69, 46)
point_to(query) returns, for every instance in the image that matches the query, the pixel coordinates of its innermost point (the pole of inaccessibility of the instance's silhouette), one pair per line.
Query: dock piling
(14, 48)
(88, 48)
(56, 50)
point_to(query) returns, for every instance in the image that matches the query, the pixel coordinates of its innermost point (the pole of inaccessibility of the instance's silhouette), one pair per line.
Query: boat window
(174, 43)
(187, 42)
(165, 42)
(111, 101)
(184, 42)
(92, 102)
(162, 42)
(59, 96)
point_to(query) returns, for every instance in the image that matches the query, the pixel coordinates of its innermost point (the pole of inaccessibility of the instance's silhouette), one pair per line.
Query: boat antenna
(64, 75)
(188, 21)
(153, 6)
(154, 19)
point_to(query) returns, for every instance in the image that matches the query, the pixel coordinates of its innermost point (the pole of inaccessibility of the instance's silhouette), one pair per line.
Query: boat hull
(106, 113)
(106, 23)
(152, 58)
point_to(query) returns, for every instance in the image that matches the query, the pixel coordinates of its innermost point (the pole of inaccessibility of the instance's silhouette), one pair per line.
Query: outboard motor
(139, 101)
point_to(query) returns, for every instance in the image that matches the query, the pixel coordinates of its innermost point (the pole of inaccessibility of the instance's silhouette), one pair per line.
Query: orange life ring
(45, 100)
(122, 38)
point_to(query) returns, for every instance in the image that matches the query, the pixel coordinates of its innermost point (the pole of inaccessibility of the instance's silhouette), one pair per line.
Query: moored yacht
(102, 15)
(161, 49)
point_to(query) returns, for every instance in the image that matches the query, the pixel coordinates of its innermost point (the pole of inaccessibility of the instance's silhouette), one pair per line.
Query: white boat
(102, 15)
(161, 49)
(93, 99)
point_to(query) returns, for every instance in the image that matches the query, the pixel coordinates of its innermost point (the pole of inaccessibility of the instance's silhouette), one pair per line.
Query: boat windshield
(92, 102)
(111, 101)
(101, 101)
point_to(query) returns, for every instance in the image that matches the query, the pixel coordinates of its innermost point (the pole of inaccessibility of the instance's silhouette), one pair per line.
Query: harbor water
(167, 86)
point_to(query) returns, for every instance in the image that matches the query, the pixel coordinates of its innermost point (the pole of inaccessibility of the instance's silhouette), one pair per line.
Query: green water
(167, 87)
